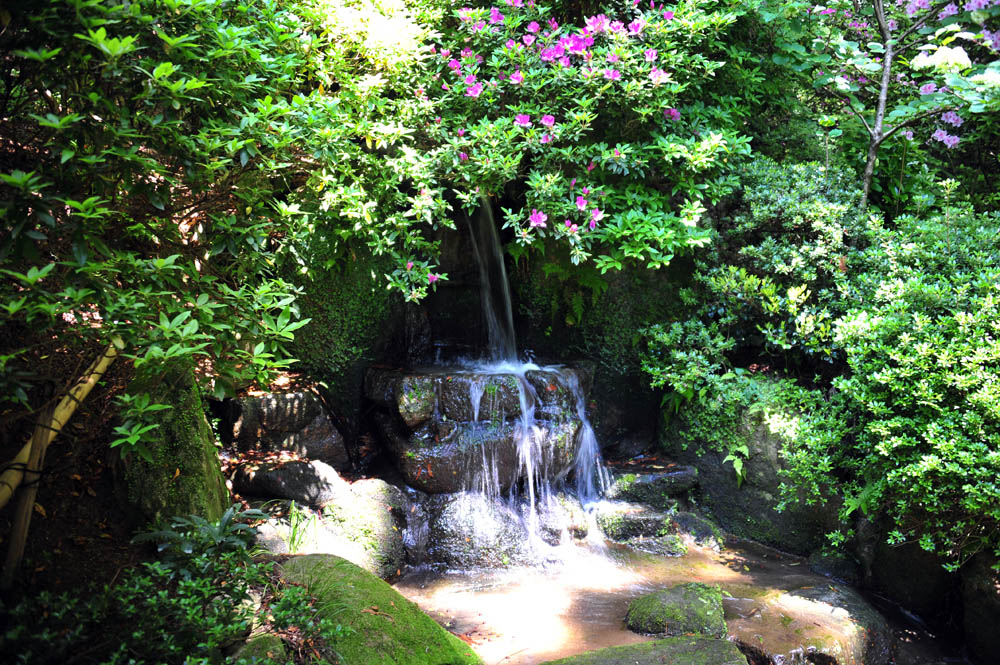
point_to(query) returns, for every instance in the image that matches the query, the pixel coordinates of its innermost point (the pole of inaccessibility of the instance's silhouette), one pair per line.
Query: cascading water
(534, 461)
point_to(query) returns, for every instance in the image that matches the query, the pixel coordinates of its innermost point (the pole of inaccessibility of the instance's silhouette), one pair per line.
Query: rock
(386, 628)
(668, 545)
(623, 521)
(263, 646)
(699, 530)
(651, 486)
(819, 624)
(687, 650)
(295, 422)
(679, 610)
(448, 457)
(184, 476)
(630, 445)
(981, 600)
(746, 509)
(562, 514)
(836, 565)
(468, 530)
(309, 483)
(363, 523)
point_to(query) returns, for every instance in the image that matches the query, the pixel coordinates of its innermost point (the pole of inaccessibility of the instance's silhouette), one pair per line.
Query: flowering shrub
(601, 123)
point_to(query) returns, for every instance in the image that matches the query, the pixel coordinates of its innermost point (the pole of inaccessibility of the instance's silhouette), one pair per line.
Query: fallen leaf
(177, 472)
(40, 510)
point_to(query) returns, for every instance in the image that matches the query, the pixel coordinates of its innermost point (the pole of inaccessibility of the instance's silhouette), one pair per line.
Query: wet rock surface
(679, 610)
(311, 483)
(674, 650)
(468, 530)
(622, 521)
(453, 430)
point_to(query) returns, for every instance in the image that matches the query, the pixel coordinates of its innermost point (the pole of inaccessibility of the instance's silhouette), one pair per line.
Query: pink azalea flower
(590, 167)
(658, 76)
(433, 48)
(515, 3)
(581, 203)
(667, 15)
(470, 79)
(553, 24)
(528, 40)
(462, 157)
(467, 52)
(474, 90)
(495, 16)
(546, 138)
(461, 132)
(612, 74)
(613, 57)
(951, 141)
(511, 44)
(537, 218)
(431, 278)
(650, 54)
(572, 183)
(593, 224)
(533, 27)
(635, 27)
(596, 215)
(616, 26)
(445, 52)
(478, 25)
(565, 61)
(517, 77)
(522, 120)
(548, 120)
(409, 265)
(455, 65)
(672, 114)
(586, 190)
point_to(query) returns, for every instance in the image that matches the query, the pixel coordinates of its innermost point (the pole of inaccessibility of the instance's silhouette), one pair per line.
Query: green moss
(388, 628)
(261, 647)
(688, 650)
(185, 476)
(679, 610)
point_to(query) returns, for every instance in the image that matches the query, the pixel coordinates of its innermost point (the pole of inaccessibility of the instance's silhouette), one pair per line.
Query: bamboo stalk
(49, 424)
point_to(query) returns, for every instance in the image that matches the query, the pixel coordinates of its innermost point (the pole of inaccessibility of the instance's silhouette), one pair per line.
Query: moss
(185, 476)
(688, 650)
(387, 628)
(261, 647)
(679, 610)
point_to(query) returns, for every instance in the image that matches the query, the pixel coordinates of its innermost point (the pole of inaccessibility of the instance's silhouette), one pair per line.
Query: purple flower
(672, 114)
(522, 120)
(532, 27)
(658, 76)
(470, 79)
(474, 90)
(976, 5)
(517, 77)
(928, 89)
(464, 12)
(613, 57)
(596, 215)
(951, 141)
(616, 26)
(515, 3)
(461, 132)
(409, 265)
(571, 227)
(467, 52)
(908, 134)
(593, 224)
(528, 40)
(495, 16)
(612, 74)
(548, 120)
(431, 278)
(546, 138)
(445, 52)
(939, 135)
(462, 156)
(667, 15)
(650, 54)
(948, 10)
(581, 203)
(952, 118)
(553, 24)
(537, 218)
(590, 167)
(455, 65)
(565, 61)
(478, 25)
(511, 44)
(596, 24)
(635, 27)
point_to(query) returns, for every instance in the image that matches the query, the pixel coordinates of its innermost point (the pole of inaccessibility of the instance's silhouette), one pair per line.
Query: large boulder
(981, 604)
(385, 628)
(679, 610)
(814, 623)
(687, 650)
(184, 474)
(296, 422)
(746, 507)
(309, 483)
(363, 522)
(469, 530)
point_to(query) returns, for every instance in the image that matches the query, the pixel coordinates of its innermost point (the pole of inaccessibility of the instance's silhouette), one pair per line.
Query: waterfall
(493, 285)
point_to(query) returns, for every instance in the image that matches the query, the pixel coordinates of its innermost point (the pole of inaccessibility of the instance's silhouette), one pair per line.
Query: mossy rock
(261, 647)
(688, 650)
(668, 545)
(387, 628)
(623, 521)
(702, 531)
(185, 474)
(679, 610)
(656, 488)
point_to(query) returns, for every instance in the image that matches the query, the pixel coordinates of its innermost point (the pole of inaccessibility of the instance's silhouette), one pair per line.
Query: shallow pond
(577, 602)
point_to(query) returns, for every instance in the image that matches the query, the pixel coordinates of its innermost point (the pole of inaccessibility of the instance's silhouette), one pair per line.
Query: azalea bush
(601, 125)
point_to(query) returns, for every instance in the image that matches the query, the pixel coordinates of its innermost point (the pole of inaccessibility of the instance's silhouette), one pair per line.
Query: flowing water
(575, 596)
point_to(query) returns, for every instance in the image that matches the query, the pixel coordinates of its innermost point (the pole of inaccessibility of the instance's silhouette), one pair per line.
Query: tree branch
(922, 21)
(847, 102)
